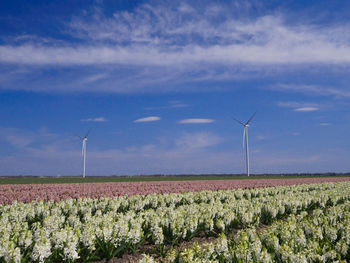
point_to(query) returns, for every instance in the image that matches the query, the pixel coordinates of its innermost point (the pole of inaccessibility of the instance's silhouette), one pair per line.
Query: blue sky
(159, 82)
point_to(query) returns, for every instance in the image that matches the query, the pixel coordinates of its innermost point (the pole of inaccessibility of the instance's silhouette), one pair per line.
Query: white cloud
(20, 139)
(171, 105)
(292, 104)
(94, 78)
(306, 109)
(195, 121)
(97, 119)
(298, 106)
(324, 124)
(177, 104)
(157, 44)
(143, 55)
(148, 119)
(313, 90)
(154, 37)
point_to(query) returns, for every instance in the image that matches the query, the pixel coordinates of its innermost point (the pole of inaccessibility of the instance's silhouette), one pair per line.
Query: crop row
(322, 236)
(88, 229)
(57, 192)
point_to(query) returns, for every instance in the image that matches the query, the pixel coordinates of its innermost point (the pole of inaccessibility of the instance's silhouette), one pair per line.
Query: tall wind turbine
(83, 150)
(245, 136)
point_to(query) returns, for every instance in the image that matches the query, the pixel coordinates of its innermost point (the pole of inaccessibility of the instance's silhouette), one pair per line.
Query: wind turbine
(245, 136)
(83, 150)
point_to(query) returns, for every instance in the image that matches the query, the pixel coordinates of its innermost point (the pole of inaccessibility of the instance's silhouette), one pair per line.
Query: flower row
(57, 192)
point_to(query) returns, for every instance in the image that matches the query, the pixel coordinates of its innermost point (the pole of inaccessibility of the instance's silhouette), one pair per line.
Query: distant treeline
(190, 175)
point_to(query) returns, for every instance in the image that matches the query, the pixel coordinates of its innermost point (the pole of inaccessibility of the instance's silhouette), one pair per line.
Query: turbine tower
(83, 150)
(245, 136)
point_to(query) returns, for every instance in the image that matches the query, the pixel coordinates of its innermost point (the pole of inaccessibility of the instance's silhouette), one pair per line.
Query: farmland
(272, 220)
(57, 192)
(150, 178)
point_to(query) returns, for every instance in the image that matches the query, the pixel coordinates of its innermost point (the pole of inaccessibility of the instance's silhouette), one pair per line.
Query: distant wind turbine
(245, 136)
(83, 151)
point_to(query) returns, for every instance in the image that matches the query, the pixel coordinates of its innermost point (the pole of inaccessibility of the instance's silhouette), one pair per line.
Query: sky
(159, 83)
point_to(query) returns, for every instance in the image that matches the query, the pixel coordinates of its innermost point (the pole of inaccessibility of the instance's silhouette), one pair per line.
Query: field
(107, 179)
(57, 192)
(269, 220)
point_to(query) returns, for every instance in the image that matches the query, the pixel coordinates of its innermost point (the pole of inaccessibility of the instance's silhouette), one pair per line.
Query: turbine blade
(78, 136)
(87, 133)
(238, 121)
(251, 118)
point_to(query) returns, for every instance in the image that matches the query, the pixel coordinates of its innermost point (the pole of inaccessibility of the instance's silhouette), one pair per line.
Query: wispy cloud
(298, 106)
(306, 109)
(94, 78)
(148, 119)
(195, 121)
(324, 124)
(262, 48)
(155, 43)
(26, 139)
(191, 141)
(313, 90)
(19, 141)
(174, 104)
(97, 119)
(292, 104)
(177, 104)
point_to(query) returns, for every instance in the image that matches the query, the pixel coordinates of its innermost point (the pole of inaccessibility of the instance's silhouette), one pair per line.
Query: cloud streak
(148, 119)
(313, 89)
(97, 119)
(156, 36)
(298, 106)
(306, 109)
(269, 53)
(195, 121)
(18, 141)
(131, 51)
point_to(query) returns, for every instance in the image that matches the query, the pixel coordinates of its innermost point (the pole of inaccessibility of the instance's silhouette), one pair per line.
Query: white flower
(70, 251)
(221, 245)
(146, 259)
(157, 233)
(220, 224)
(331, 233)
(41, 249)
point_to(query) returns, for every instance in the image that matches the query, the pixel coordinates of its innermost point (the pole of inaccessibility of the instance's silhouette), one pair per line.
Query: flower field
(323, 236)
(58, 192)
(296, 223)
